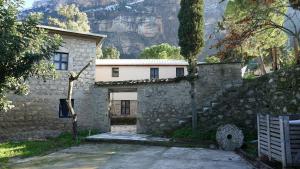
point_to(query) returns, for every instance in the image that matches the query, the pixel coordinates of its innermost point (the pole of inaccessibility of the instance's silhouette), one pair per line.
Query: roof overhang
(140, 62)
(97, 37)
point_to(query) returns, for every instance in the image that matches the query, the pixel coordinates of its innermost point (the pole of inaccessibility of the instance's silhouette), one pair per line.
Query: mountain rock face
(132, 25)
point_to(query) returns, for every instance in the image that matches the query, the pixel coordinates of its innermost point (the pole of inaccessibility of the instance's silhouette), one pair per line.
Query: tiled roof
(137, 82)
(141, 62)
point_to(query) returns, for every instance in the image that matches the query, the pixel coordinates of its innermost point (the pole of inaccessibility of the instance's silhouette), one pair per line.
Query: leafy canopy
(253, 27)
(162, 51)
(110, 53)
(70, 17)
(191, 31)
(25, 51)
(212, 59)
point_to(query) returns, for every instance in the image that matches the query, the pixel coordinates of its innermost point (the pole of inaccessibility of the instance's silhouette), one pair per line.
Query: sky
(28, 3)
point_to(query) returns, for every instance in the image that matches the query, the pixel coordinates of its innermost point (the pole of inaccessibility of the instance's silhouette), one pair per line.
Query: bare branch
(83, 69)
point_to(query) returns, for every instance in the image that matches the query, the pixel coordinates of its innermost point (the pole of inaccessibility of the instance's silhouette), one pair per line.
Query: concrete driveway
(123, 156)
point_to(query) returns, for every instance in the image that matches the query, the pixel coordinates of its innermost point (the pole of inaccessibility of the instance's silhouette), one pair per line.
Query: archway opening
(123, 110)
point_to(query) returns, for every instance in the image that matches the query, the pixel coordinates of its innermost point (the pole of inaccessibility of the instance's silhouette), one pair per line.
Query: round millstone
(229, 137)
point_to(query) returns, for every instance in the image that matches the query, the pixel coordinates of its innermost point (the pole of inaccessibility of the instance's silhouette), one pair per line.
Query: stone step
(128, 138)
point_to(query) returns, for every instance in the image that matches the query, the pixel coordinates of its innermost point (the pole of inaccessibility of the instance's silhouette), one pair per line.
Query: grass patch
(250, 149)
(34, 148)
(188, 133)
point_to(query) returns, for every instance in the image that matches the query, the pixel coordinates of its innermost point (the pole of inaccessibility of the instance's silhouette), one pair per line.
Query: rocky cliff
(132, 25)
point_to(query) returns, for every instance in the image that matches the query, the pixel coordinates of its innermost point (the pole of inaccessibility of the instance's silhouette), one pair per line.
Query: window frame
(113, 73)
(153, 73)
(125, 107)
(64, 107)
(181, 74)
(60, 61)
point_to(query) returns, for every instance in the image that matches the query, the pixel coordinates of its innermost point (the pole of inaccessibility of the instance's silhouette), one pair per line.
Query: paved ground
(122, 156)
(123, 128)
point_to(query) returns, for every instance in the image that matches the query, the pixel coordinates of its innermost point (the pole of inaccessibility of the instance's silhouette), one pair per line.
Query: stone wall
(214, 79)
(37, 114)
(164, 105)
(276, 93)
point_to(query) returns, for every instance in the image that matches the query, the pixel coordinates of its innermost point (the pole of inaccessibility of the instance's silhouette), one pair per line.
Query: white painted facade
(137, 69)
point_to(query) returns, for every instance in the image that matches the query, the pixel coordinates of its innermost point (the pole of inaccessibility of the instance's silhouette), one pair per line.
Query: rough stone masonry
(36, 115)
(164, 104)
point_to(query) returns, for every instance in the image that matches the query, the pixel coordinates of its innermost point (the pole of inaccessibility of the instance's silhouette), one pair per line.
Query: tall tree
(70, 17)
(258, 26)
(191, 41)
(162, 51)
(25, 51)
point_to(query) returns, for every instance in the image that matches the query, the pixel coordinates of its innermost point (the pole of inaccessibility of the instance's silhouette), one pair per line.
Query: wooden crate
(279, 138)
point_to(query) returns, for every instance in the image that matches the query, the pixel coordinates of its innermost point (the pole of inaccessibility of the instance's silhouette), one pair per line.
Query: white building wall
(123, 96)
(104, 73)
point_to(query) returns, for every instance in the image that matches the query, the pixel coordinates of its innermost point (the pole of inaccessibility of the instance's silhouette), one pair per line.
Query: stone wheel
(229, 137)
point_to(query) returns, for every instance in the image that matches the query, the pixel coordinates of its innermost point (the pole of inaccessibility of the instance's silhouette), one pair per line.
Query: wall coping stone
(140, 82)
(221, 63)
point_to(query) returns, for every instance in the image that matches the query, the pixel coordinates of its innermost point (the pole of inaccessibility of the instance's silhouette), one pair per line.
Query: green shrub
(188, 133)
(249, 76)
(212, 59)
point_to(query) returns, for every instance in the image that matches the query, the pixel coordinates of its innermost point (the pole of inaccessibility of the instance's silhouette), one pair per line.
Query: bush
(188, 133)
(162, 51)
(249, 76)
(212, 59)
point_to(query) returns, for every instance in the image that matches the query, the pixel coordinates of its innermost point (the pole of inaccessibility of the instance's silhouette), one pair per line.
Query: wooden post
(282, 141)
(258, 135)
(268, 136)
(286, 129)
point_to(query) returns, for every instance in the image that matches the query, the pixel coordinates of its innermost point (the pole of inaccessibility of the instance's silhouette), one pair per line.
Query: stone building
(162, 104)
(43, 112)
(124, 104)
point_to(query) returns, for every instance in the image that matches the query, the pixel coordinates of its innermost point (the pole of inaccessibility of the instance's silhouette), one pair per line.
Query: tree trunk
(72, 78)
(262, 65)
(193, 104)
(296, 49)
(274, 58)
(192, 74)
(70, 107)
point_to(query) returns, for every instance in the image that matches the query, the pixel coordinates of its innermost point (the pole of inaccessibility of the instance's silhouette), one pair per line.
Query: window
(179, 72)
(61, 61)
(154, 73)
(125, 107)
(63, 109)
(115, 72)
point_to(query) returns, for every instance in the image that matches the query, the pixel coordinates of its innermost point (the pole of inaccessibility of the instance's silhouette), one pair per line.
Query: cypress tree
(191, 41)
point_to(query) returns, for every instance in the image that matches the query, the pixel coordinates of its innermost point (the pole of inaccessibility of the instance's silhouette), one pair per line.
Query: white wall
(104, 73)
(123, 96)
